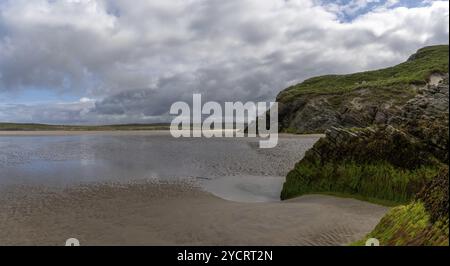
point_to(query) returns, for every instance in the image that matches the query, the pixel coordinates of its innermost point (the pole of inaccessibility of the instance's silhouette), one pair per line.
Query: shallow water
(234, 169)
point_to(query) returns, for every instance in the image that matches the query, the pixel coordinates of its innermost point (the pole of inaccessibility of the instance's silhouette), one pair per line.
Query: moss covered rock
(425, 221)
(380, 163)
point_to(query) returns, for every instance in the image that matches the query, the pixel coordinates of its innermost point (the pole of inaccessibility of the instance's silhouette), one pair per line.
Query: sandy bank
(175, 214)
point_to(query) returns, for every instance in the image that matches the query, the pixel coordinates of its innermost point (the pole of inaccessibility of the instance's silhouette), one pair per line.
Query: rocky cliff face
(362, 99)
(426, 117)
(389, 162)
(402, 160)
(359, 108)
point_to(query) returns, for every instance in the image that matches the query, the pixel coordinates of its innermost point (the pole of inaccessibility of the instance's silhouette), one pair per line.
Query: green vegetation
(375, 164)
(423, 222)
(386, 142)
(427, 61)
(44, 127)
(409, 225)
(380, 182)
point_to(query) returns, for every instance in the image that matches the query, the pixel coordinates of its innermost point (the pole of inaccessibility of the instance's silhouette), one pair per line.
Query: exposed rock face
(359, 108)
(426, 116)
(363, 107)
(421, 127)
(387, 144)
(384, 143)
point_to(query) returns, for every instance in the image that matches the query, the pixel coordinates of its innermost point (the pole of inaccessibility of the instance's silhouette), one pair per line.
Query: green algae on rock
(380, 163)
(424, 222)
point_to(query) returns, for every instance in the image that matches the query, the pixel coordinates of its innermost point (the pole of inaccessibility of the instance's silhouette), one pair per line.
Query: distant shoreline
(76, 132)
(47, 127)
(114, 132)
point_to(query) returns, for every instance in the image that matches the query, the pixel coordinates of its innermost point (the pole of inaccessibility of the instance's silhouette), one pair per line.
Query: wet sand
(231, 168)
(226, 194)
(155, 213)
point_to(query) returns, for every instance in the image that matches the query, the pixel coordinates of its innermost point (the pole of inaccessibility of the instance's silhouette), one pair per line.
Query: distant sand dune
(175, 214)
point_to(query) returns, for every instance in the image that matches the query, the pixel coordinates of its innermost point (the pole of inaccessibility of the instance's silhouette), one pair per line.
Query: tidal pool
(231, 168)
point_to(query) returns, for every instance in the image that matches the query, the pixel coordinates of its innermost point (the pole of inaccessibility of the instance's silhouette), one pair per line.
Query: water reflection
(233, 168)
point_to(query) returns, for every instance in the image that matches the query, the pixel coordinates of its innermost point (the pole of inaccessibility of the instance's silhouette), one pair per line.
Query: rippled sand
(36, 210)
(175, 214)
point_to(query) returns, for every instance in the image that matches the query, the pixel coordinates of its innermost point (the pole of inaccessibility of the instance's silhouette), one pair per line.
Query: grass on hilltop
(427, 61)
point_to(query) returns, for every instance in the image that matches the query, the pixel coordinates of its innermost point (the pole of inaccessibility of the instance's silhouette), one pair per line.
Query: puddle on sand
(246, 188)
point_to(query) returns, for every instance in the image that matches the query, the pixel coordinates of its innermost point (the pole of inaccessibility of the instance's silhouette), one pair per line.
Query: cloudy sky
(122, 61)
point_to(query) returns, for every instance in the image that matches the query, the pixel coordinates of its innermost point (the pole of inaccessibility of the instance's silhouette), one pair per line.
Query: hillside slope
(401, 161)
(360, 99)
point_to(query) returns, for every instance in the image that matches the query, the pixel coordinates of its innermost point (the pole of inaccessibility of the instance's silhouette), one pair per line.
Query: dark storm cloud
(138, 57)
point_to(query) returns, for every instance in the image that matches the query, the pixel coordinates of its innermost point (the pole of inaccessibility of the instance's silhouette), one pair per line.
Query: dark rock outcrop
(426, 116)
(373, 144)
(377, 163)
(392, 161)
(359, 108)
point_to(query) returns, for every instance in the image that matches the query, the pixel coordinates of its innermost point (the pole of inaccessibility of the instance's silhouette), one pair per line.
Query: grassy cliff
(398, 154)
(388, 163)
(416, 70)
(360, 99)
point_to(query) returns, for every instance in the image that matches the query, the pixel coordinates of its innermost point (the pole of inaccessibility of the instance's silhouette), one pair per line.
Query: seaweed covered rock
(425, 221)
(372, 144)
(435, 196)
(379, 163)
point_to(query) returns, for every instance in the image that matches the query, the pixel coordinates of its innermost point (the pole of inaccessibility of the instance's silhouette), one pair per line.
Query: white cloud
(86, 100)
(140, 56)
